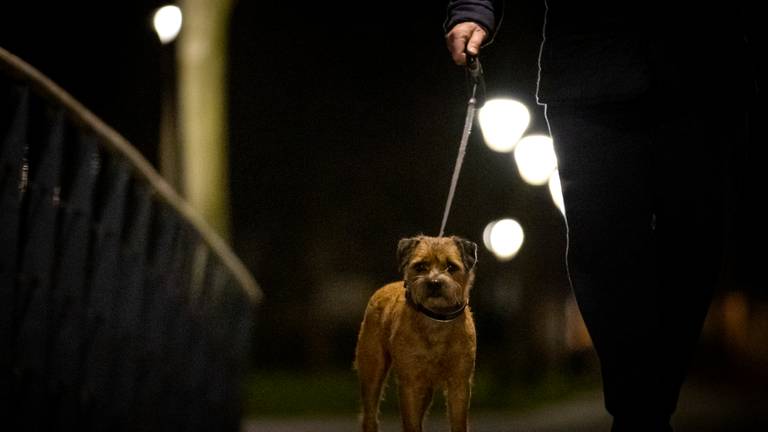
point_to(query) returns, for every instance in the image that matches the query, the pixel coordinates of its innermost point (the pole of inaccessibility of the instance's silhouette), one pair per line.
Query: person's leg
(605, 160)
(691, 154)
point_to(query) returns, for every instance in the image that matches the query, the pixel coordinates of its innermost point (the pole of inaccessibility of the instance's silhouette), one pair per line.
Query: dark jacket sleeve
(487, 13)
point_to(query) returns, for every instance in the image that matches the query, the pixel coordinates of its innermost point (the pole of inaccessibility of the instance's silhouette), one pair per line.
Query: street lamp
(504, 238)
(503, 122)
(556, 191)
(535, 158)
(167, 23)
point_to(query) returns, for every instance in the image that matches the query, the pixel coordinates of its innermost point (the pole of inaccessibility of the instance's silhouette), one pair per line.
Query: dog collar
(432, 314)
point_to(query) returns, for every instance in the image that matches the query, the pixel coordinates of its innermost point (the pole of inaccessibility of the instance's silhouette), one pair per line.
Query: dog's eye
(420, 267)
(451, 268)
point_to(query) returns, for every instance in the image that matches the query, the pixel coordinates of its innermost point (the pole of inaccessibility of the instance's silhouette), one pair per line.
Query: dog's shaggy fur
(422, 328)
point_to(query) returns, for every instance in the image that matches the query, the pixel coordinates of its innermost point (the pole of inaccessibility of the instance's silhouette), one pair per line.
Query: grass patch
(491, 394)
(288, 394)
(292, 394)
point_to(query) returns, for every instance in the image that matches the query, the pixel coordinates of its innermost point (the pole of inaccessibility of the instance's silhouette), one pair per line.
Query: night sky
(345, 119)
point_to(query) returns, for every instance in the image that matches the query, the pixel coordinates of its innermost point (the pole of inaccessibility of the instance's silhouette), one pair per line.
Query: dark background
(344, 122)
(349, 128)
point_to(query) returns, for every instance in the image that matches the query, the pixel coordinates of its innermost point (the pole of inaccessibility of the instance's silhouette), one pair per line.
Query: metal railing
(120, 309)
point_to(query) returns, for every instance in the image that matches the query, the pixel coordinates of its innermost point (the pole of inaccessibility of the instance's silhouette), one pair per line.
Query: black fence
(119, 308)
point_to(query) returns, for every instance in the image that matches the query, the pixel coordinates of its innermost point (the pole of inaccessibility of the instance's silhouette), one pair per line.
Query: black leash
(475, 74)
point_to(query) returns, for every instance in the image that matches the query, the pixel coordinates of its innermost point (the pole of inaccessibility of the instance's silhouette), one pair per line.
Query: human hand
(465, 37)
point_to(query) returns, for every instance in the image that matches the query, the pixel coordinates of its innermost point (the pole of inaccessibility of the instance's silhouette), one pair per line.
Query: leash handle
(474, 68)
(475, 76)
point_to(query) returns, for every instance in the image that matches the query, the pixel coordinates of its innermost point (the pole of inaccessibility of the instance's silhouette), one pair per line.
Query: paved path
(582, 414)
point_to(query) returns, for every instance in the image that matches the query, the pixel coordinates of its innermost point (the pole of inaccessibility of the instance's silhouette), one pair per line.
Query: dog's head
(438, 271)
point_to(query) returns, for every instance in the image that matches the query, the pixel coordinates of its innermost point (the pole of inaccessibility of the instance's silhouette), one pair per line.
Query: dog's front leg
(372, 362)
(415, 398)
(457, 398)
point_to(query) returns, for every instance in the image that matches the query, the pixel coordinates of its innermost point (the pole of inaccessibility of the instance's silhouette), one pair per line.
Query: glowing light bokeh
(503, 122)
(167, 23)
(504, 238)
(535, 159)
(556, 191)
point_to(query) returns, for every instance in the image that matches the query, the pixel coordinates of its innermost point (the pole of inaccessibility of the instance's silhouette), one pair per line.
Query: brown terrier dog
(423, 328)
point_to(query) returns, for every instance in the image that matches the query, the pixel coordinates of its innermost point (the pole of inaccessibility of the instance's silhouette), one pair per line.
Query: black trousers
(643, 183)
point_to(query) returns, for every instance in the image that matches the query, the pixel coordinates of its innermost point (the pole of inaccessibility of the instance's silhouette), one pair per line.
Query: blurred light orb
(556, 191)
(535, 159)
(503, 238)
(167, 23)
(503, 122)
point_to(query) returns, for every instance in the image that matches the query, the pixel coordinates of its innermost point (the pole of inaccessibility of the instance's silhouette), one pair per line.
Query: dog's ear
(404, 249)
(468, 251)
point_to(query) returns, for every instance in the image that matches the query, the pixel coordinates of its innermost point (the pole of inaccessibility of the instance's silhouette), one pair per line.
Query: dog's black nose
(434, 285)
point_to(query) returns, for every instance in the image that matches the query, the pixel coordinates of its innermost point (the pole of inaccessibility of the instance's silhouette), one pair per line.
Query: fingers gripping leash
(475, 75)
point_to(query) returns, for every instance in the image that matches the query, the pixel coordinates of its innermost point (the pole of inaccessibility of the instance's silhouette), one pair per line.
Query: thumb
(475, 40)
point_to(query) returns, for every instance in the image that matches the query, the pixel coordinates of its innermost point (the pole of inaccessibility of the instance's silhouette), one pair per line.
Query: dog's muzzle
(442, 317)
